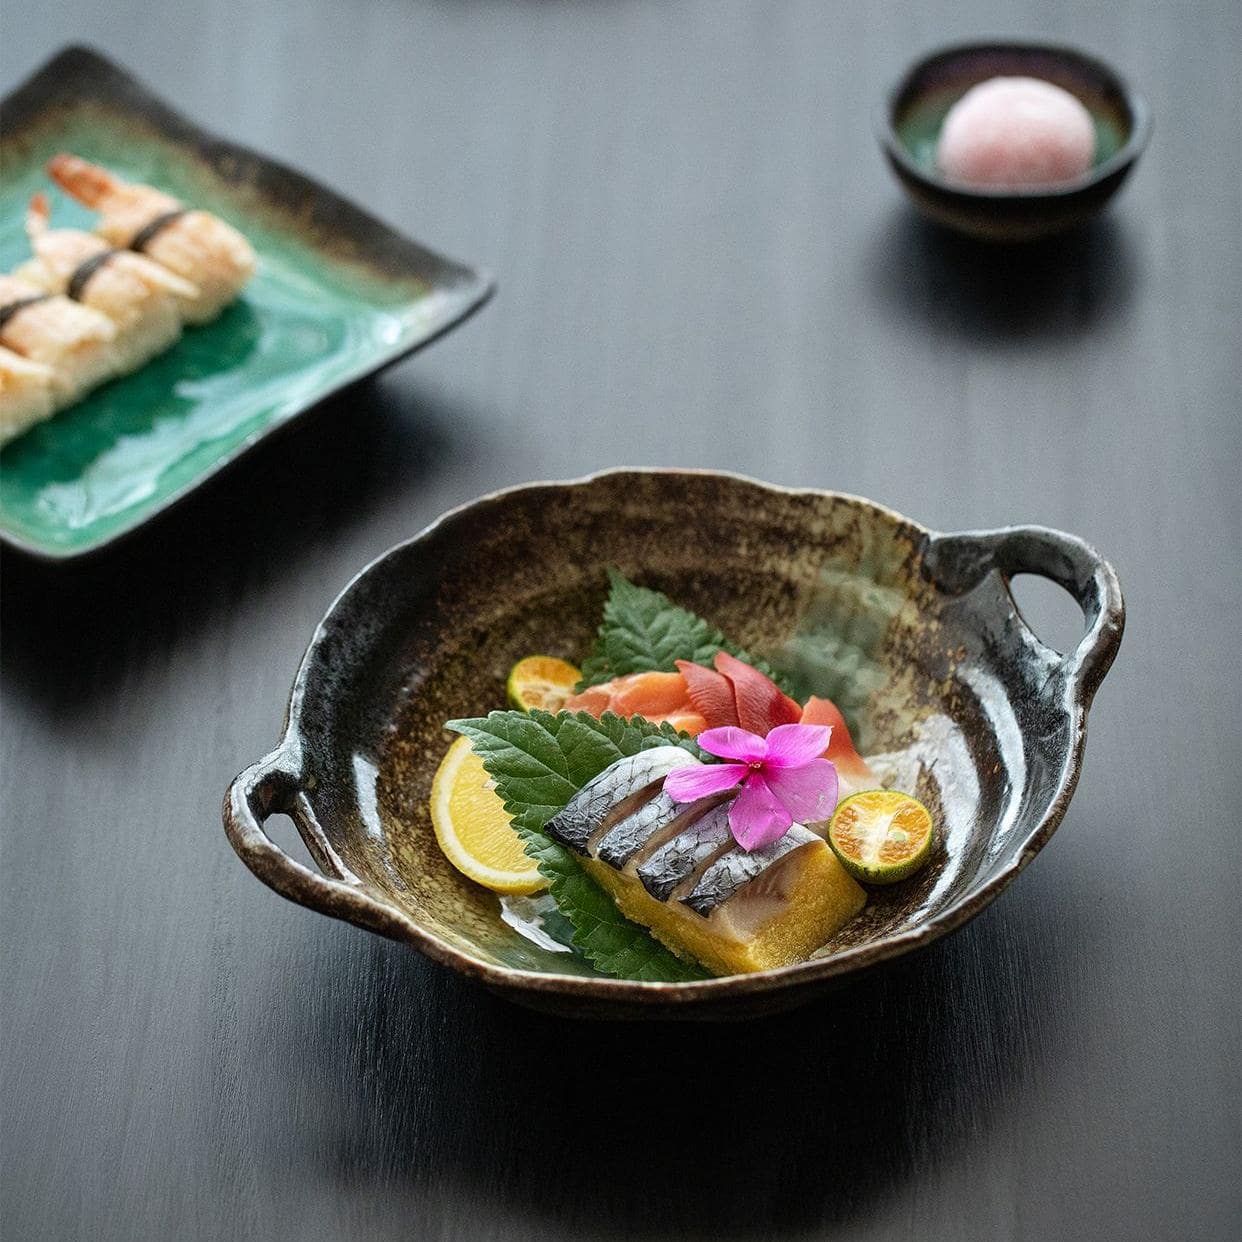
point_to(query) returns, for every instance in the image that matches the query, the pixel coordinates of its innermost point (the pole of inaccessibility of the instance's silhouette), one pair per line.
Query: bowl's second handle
(272, 786)
(959, 561)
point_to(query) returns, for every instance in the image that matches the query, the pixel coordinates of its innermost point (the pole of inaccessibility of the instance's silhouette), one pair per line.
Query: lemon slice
(881, 836)
(473, 829)
(541, 681)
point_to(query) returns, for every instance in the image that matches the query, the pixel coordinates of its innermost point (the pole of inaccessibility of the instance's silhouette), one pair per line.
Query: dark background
(702, 260)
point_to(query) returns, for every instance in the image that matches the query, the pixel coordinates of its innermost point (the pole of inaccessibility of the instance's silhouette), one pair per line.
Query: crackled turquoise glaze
(310, 321)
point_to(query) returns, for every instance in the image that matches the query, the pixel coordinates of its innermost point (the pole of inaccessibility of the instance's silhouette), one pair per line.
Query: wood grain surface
(702, 261)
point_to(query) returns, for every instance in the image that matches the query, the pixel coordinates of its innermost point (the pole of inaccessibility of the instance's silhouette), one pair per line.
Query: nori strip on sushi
(10, 309)
(84, 271)
(149, 231)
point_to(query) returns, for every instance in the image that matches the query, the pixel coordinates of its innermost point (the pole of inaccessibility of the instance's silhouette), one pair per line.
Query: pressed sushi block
(677, 869)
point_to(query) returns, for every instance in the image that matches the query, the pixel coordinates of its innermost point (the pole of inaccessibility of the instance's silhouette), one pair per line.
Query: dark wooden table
(702, 261)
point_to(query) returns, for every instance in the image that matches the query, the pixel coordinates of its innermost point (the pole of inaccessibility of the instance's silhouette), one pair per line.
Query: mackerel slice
(736, 868)
(648, 826)
(617, 792)
(677, 860)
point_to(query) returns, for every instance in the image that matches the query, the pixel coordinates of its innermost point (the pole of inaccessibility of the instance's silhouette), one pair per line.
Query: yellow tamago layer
(822, 898)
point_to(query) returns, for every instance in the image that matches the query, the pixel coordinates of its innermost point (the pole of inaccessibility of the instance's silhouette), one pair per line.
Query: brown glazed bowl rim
(276, 782)
(1136, 141)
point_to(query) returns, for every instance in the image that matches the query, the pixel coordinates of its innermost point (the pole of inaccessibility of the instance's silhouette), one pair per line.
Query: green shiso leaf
(644, 631)
(539, 761)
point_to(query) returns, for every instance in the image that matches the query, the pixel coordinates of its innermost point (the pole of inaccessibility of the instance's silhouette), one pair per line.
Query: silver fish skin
(730, 871)
(615, 793)
(675, 861)
(646, 825)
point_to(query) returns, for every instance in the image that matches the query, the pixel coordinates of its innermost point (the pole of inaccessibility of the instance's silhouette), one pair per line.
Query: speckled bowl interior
(915, 635)
(914, 112)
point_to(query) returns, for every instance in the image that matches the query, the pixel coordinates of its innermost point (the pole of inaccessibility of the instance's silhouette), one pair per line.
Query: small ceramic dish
(909, 122)
(337, 296)
(914, 633)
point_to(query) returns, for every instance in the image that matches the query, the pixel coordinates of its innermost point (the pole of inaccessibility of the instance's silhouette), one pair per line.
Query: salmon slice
(852, 769)
(650, 694)
(658, 697)
(761, 705)
(696, 698)
(594, 699)
(710, 692)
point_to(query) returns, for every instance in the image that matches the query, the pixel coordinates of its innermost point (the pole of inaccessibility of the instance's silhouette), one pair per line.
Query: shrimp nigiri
(138, 295)
(190, 242)
(76, 342)
(26, 396)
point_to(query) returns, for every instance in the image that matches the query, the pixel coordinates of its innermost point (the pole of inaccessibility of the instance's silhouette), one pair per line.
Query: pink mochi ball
(1016, 132)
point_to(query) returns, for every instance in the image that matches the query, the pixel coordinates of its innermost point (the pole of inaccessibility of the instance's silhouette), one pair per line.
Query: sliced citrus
(541, 681)
(473, 829)
(881, 836)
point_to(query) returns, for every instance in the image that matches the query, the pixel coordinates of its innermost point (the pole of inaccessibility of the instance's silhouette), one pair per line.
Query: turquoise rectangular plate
(337, 295)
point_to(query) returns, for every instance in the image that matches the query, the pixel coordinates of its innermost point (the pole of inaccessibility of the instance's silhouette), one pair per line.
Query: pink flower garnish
(783, 779)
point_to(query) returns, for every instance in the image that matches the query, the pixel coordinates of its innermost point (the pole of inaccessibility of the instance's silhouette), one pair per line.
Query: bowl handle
(271, 786)
(960, 561)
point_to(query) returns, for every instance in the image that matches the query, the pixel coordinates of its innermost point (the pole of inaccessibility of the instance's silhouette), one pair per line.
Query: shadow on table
(807, 1120)
(1057, 288)
(71, 629)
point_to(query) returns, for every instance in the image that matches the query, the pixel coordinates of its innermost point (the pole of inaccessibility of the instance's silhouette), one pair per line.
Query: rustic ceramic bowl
(909, 122)
(914, 633)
